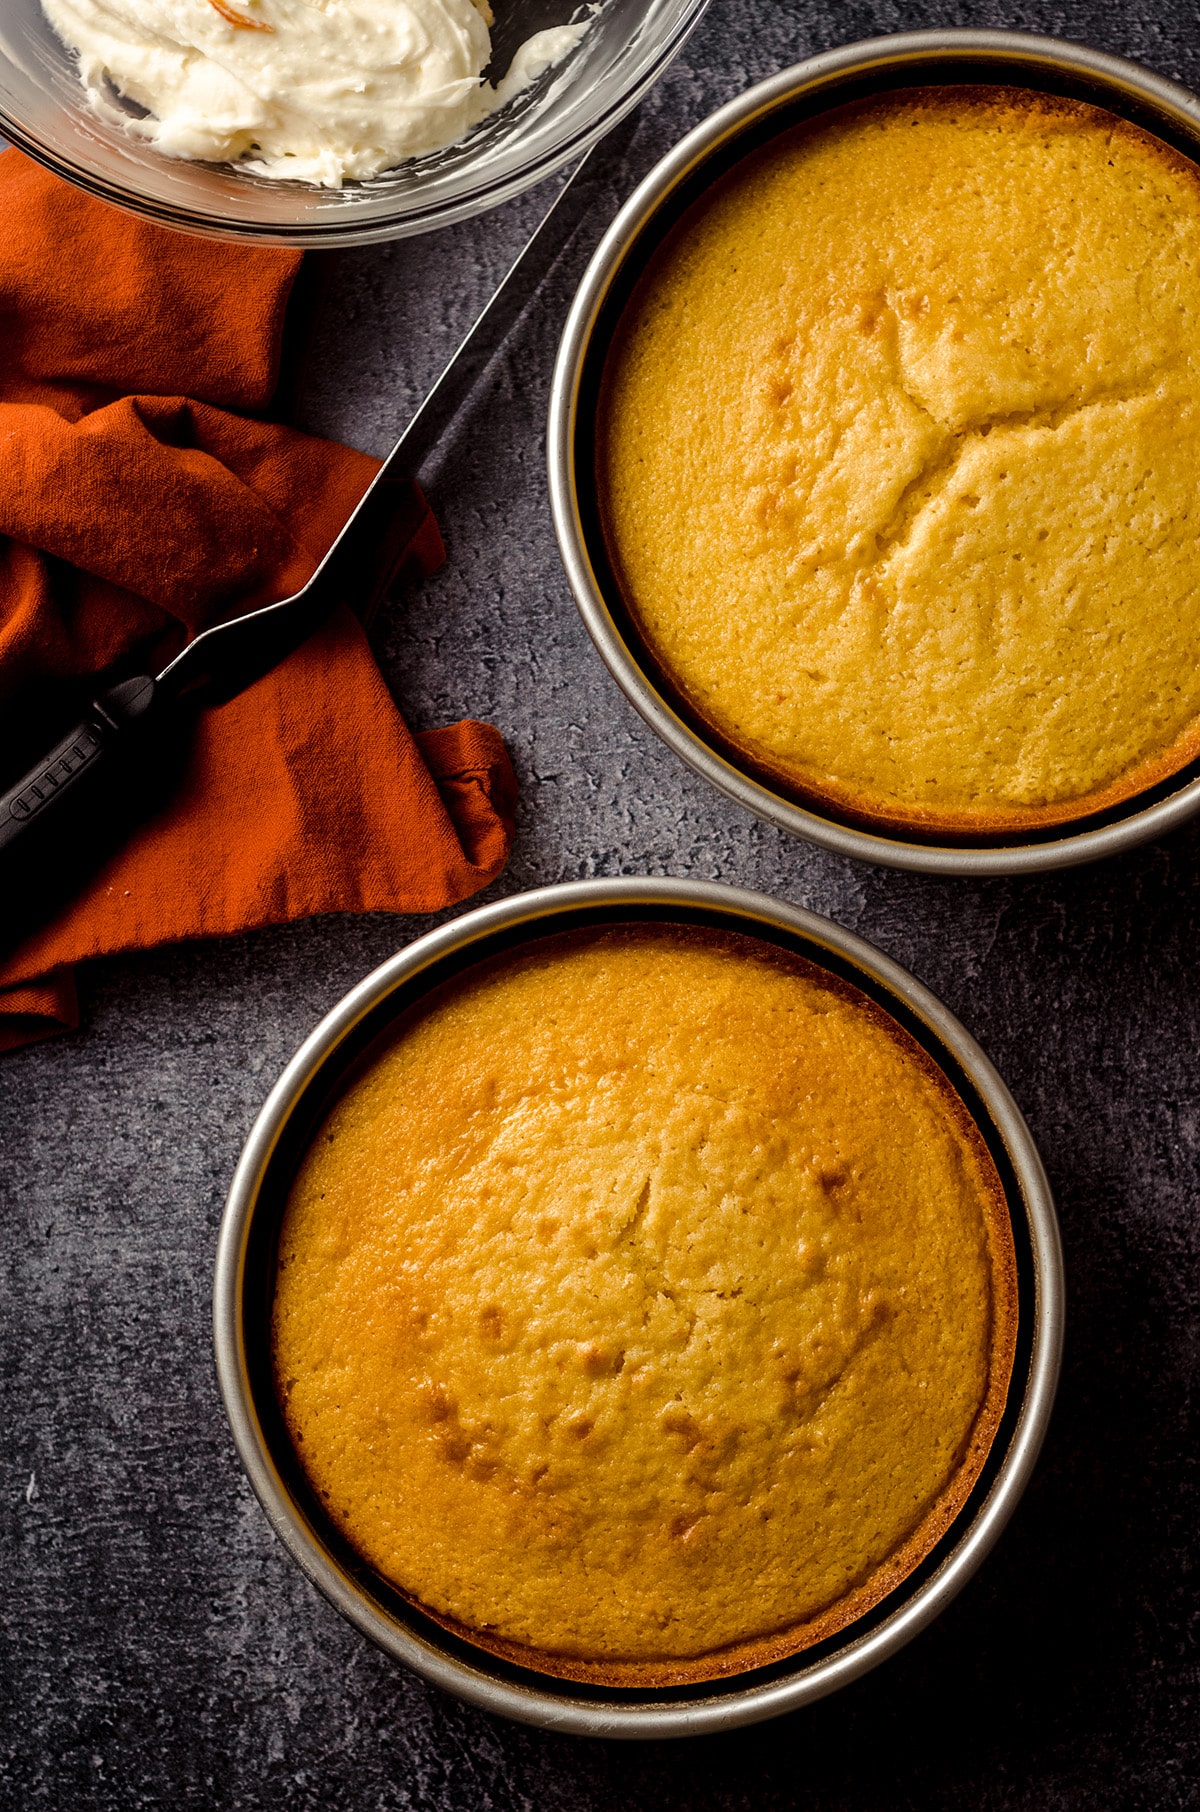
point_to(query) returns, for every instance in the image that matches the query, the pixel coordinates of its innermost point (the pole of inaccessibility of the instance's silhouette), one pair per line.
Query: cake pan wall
(241, 1316)
(855, 71)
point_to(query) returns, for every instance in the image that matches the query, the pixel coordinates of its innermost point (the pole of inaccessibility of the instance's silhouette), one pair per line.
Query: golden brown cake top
(898, 456)
(650, 1296)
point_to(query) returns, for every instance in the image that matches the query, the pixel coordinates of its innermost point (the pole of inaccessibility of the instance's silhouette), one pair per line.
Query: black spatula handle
(59, 777)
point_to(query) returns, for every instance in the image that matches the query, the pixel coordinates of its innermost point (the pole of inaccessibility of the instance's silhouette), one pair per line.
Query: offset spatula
(95, 758)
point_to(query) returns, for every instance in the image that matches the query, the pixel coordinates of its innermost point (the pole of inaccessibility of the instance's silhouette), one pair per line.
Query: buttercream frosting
(321, 91)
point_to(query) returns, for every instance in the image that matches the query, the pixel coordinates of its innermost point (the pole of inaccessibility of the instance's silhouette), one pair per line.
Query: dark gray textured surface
(159, 1648)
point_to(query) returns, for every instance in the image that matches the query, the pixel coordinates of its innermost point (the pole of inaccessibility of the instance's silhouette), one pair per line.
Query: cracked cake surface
(897, 452)
(645, 1311)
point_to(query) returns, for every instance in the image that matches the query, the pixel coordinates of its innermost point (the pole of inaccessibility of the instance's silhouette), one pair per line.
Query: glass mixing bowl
(626, 47)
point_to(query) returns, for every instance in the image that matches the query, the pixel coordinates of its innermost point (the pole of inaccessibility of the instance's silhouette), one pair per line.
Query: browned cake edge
(982, 824)
(762, 1651)
(820, 793)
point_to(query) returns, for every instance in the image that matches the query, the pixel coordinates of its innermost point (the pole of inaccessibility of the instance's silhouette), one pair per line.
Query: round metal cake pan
(878, 65)
(242, 1305)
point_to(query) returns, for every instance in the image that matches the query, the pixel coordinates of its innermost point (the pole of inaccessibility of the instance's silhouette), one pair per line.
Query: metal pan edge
(438, 1659)
(1118, 83)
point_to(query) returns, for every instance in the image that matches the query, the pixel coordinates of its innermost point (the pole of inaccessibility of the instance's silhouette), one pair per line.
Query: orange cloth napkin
(142, 496)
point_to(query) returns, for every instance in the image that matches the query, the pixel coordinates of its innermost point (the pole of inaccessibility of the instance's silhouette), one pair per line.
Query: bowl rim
(1116, 79)
(351, 228)
(598, 1715)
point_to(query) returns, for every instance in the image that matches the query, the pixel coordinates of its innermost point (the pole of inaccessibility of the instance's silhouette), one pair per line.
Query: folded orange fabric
(143, 495)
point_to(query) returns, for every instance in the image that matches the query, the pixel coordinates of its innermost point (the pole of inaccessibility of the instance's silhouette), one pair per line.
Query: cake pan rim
(558, 1709)
(881, 56)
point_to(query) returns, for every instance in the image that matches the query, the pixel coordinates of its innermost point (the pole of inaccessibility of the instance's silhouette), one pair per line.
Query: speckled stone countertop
(159, 1648)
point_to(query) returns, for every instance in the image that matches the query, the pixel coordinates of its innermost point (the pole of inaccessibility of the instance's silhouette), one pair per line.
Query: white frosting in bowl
(320, 91)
